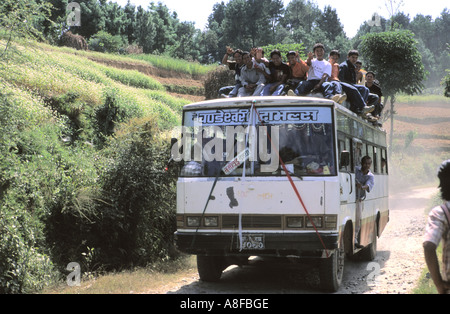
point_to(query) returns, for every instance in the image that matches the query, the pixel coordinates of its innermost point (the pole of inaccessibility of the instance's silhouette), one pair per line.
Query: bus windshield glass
(238, 141)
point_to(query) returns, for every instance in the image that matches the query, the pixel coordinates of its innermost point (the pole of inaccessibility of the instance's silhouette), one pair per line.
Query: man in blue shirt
(364, 183)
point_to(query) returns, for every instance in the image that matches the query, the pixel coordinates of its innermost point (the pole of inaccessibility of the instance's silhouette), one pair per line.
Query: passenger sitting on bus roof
(348, 74)
(359, 73)
(260, 62)
(356, 94)
(258, 55)
(253, 81)
(232, 91)
(375, 89)
(335, 89)
(299, 70)
(280, 72)
(332, 88)
(319, 71)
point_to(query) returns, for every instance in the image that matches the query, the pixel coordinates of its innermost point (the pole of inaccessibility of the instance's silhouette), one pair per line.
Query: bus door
(345, 176)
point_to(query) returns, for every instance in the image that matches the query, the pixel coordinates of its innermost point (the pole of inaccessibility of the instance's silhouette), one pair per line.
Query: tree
(185, 47)
(115, 19)
(130, 11)
(301, 14)
(446, 82)
(144, 30)
(396, 60)
(92, 19)
(164, 27)
(22, 19)
(330, 23)
(235, 24)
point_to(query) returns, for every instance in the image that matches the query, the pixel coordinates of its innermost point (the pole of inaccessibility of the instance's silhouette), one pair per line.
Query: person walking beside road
(438, 227)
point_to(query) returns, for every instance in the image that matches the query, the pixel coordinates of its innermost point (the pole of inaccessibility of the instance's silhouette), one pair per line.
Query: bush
(115, 109)
(217, 79)
(24, 191)
(138, 215)
(284, 49)
(105, 42)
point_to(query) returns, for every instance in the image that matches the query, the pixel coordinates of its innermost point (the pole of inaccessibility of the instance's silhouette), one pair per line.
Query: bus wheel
(209, 268)
(331, 271)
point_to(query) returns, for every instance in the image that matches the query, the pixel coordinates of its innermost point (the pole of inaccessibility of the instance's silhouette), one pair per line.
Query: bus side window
(342, 147)
(358, 150)
(377, 155)
(370, 152)
(384, 164)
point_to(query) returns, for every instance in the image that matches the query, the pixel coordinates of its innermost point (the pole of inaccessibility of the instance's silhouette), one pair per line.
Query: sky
(352, 13)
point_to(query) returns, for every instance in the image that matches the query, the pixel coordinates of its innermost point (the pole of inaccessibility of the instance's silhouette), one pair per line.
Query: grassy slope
(41, 71)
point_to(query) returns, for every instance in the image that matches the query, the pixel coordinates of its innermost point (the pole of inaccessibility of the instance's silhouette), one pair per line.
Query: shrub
(24, 266)
(217, 79)
(115, 109)
(138, 215)
(74, 41)
(105, 42)
(284, 49)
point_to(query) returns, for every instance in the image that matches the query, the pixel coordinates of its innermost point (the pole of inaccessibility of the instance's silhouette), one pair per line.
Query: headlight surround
(211, 221)
(317, 220)
(193, 221)
(294, 222)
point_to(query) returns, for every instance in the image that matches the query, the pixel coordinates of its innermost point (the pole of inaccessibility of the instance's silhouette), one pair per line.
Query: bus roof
(269, 101)
(260, 102)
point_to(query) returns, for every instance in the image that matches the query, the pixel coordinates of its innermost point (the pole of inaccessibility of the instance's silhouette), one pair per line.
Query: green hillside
(43, 71)
(83, 152)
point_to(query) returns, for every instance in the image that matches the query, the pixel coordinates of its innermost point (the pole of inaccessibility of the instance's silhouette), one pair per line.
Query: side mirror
(344, 159)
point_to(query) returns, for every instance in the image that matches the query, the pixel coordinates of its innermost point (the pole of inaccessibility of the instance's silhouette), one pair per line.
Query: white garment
(318, 68)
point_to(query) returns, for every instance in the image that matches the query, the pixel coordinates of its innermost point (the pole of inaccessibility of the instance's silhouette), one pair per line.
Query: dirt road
(397, 267)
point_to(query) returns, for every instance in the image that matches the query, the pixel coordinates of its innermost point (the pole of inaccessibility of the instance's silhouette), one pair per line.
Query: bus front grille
(252, 222)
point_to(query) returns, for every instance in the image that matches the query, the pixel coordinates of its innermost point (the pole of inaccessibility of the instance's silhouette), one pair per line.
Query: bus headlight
(211, 221)
(294, 222)
(193, 221)
(317, 220)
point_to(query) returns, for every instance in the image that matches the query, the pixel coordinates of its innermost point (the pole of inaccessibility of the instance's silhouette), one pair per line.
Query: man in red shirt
(299, 71)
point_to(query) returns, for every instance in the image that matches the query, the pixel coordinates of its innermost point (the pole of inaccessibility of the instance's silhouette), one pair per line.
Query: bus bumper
(275, 244)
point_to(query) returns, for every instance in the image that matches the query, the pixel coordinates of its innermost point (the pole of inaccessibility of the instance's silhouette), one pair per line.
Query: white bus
(275, 176)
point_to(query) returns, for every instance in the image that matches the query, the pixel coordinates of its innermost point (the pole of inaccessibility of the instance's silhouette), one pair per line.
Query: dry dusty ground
(396, 269)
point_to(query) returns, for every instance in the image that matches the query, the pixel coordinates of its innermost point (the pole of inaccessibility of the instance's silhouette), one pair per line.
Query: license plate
(252, 242)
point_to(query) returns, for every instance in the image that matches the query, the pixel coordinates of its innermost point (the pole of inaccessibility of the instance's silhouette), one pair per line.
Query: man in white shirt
(319, 71)
(437, 231)
(252, 78)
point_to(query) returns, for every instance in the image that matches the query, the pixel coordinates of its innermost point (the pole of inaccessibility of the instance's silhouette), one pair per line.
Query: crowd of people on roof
(256, 75)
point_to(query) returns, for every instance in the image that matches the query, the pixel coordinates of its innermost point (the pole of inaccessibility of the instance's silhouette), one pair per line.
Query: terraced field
(431, 121)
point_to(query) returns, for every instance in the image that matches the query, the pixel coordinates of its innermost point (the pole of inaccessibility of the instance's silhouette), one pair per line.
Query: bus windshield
(238, 141)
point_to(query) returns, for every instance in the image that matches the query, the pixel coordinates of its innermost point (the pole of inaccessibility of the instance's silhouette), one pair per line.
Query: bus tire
(331, 271)
(209, 268)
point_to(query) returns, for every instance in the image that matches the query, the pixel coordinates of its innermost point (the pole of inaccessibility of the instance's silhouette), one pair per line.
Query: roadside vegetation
(83, 152)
